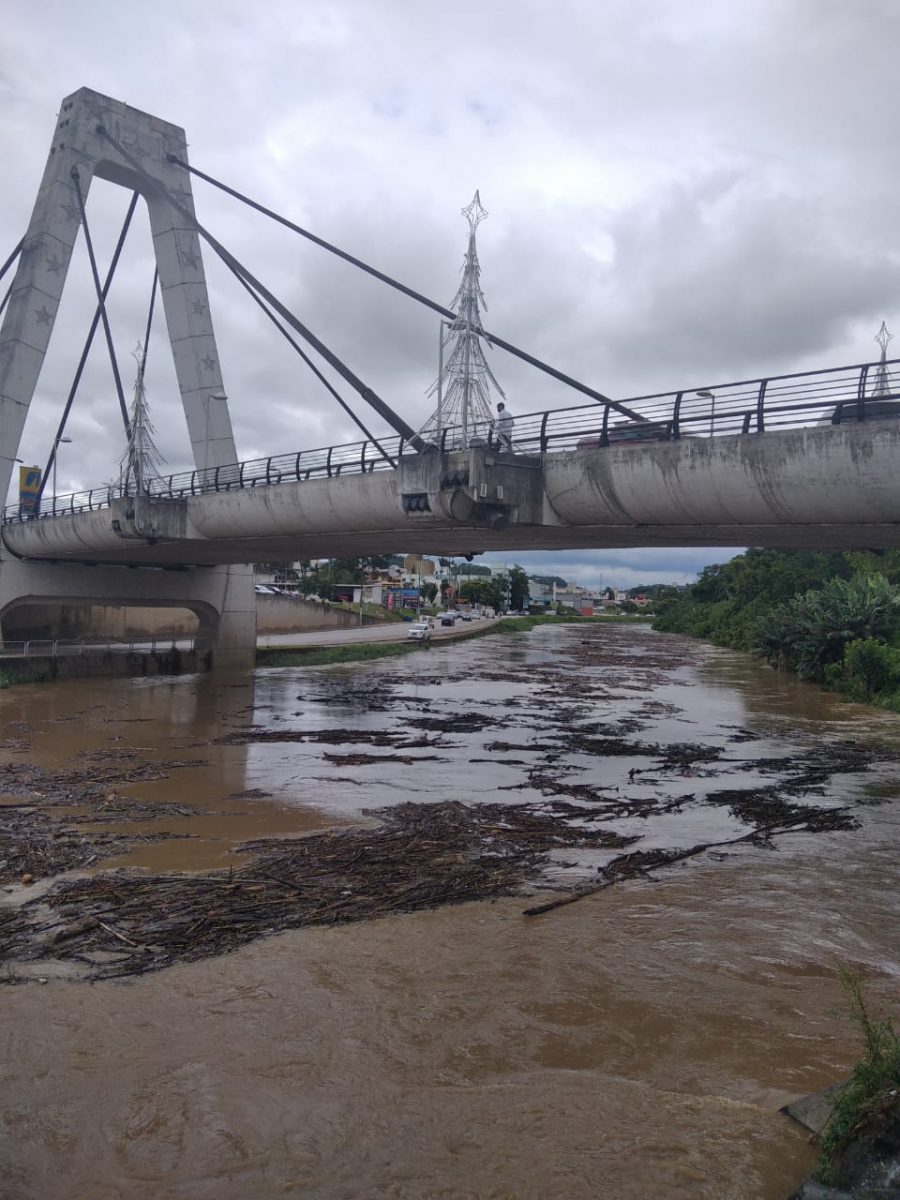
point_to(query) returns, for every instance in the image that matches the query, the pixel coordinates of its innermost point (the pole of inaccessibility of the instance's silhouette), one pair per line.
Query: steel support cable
(371, 398)
(312, 366)
(114, 262)
(408, 291)
(149, 320)
(101, 300)
(12, 258)
(9, 262)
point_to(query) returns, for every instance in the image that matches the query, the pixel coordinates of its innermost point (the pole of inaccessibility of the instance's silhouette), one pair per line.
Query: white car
(419, 631)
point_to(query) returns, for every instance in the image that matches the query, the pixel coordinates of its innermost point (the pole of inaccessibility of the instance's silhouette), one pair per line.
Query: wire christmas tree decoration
(139, 467)
(465, 381)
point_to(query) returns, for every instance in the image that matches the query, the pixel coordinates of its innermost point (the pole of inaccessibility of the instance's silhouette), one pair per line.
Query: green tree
(518, 589)
(868, 669)
(482, 591)
(811, 631)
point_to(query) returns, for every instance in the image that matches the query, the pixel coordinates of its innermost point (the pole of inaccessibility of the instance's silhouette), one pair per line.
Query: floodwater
(636, 1044)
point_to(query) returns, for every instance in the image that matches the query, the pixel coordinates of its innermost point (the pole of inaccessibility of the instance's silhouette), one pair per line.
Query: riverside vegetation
(833, 619)
(862, 1137)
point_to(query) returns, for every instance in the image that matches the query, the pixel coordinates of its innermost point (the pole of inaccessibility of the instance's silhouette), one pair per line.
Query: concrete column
(226, 604)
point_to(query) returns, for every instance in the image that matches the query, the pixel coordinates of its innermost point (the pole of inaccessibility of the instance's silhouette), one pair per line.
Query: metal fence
(78, 648)
(750, 407)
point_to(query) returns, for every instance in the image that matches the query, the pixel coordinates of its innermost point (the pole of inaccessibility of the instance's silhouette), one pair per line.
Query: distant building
(415, 564)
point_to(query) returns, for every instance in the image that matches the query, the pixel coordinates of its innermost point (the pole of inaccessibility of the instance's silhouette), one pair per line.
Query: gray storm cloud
(678, 195)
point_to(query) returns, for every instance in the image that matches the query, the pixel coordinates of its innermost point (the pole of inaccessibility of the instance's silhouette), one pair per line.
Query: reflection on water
(637, 1044)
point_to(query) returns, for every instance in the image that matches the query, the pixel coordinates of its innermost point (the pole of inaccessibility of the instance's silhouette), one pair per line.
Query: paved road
(394, 631)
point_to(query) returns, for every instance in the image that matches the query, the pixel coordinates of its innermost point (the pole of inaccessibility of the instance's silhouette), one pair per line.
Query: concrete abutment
(222, 598)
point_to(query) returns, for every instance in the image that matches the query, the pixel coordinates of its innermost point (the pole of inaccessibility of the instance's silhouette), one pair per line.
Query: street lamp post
(56, 445)
(710, 396)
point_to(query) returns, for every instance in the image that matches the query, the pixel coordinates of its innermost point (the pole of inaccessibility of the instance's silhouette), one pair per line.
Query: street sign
(29, 490)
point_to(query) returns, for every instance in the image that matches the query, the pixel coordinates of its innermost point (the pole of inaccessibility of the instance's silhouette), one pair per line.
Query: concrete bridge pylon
(222, 596)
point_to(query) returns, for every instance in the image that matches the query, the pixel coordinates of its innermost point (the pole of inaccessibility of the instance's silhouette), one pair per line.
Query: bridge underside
(469, 540)
(817, 488)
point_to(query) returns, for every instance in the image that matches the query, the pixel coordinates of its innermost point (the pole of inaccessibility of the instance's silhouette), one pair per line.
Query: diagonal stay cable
(101, 300)
(371, 398)
(149, 320)
(9, 262)
(12, 258)
(88, 342)
(312, 366)
(408, 291)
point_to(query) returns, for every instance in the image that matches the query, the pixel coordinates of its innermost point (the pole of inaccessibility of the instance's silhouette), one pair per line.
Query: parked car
(419, 631)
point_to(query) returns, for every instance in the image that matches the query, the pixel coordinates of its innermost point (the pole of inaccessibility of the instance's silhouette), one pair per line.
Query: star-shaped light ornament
(199, 308)
(43, 316)
(475, 212)
(54, 266)
(209, 362)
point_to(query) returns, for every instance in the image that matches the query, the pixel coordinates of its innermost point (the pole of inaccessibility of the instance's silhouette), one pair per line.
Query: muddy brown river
(634, 1045)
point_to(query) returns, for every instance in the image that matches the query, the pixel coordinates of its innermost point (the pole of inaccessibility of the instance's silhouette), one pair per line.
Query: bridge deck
(818, 486)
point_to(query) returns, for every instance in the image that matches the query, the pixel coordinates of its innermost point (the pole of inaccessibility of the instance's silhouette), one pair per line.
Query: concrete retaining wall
(275, 614)
(288, 614)
(76, 666)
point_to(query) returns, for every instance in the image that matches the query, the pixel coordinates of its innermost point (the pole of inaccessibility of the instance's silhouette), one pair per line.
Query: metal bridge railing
(754, 406)
(77, 648)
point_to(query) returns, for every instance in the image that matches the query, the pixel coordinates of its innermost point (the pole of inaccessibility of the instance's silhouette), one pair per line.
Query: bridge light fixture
(710, 396)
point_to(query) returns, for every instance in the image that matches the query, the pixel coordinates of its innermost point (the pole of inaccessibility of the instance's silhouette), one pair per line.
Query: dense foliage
(487, 592)
(831, 618)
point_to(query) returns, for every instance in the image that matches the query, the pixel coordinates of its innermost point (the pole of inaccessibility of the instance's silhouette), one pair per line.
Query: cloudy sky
(679, 194)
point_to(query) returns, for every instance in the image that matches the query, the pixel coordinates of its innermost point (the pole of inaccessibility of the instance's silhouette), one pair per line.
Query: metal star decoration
(43, 317)
(188, 257)
(199, 308)
(209, 362)
(474, 212)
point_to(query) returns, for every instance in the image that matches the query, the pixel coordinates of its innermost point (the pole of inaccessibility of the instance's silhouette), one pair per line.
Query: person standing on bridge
(504, 427)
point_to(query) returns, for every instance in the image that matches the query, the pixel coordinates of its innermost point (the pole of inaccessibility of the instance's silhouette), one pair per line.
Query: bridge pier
(222, 598)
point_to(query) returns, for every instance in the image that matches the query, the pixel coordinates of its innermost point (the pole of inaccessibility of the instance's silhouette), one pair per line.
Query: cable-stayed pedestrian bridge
(797, 460)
